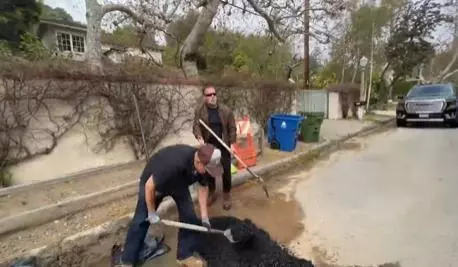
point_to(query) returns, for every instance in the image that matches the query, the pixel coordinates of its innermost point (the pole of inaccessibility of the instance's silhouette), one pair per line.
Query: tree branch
(195, 37)
(446, 72)
(450, 74)
(268, 19)
(125, 9)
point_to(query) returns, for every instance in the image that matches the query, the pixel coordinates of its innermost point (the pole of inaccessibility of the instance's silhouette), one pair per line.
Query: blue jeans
(138, 229)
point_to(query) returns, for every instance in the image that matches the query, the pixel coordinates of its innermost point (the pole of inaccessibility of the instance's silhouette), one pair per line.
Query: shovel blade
(228, 235)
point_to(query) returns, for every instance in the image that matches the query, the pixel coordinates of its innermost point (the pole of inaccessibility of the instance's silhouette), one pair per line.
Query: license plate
(424, 115)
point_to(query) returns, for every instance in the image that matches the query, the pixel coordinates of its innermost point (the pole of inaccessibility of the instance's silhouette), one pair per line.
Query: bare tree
(440, 70)
(452, 67)
(282, 20)
(96, 10)
(449, 71)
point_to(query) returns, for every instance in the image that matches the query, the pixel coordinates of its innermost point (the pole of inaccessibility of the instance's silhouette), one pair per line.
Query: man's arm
(232, 128)
(150, 195)
(196, 129)
(203, 195)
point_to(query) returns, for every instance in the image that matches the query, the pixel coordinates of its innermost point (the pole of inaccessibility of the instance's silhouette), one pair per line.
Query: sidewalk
(16, 243)
(330, 130)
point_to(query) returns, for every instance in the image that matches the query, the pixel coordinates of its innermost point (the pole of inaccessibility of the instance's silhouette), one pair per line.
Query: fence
(312, 101)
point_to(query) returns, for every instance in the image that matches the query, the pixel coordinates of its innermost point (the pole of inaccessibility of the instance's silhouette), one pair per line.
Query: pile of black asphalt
(254, 247)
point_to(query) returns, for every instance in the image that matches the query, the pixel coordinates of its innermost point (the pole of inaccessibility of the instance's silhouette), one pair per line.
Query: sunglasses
(212, 94)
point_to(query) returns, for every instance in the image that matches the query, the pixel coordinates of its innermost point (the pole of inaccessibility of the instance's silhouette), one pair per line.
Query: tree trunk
(447, 71)
(94, 15)
(356, 66)
(390, 88)
(194, 39)
(421, 77)
(385, 80)
(342, 75)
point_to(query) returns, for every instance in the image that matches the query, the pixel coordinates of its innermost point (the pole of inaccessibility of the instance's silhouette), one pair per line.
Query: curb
(52, 212)
(74, 176)
(85, 239)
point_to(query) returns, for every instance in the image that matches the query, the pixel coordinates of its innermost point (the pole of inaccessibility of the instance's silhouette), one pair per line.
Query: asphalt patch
(241, 232)
(258, 249)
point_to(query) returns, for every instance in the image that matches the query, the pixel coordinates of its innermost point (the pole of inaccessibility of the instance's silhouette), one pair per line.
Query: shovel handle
(229, 150)
(264, 187)
(184, 225)
(190, 226)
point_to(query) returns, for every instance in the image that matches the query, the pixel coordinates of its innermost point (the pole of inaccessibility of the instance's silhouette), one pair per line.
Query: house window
(69, 42)
(63, 41)
(78, 43)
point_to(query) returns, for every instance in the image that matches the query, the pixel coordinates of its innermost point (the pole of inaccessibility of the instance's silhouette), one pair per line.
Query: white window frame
(71, 42)
(83, 43)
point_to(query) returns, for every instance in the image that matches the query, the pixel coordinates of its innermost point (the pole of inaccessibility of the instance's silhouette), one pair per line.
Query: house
(69, 39)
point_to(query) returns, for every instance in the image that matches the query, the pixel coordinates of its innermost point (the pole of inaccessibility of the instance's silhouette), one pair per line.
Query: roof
(65, 24)
(106, 40)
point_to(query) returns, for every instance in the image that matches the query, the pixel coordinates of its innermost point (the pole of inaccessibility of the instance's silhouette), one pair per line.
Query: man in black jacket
(170, 172)
(220, 119)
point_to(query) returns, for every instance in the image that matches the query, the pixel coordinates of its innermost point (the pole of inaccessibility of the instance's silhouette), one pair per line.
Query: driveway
(393, 201)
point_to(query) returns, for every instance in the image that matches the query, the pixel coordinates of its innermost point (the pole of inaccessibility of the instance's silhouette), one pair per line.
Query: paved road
(395, 200)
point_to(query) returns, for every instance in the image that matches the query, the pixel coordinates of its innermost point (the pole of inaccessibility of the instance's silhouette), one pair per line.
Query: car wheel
(400, 123)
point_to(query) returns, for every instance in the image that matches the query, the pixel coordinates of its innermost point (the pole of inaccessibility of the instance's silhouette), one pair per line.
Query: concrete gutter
(84, 240)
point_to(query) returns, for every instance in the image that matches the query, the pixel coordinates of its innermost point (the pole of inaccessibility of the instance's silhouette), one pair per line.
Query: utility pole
(371, 66)
(455, 34)
(306, 44)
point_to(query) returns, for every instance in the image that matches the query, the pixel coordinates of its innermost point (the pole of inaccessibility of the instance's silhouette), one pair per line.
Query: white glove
(153, 217)
(206, 223)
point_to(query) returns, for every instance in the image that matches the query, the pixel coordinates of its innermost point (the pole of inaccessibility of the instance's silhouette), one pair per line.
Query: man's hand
(206, 223)
(153, 217)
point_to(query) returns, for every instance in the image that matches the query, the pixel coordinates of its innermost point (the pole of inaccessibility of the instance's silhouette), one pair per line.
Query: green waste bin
(310, 127)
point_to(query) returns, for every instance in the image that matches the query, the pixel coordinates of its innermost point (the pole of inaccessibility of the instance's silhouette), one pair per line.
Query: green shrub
(5, 50)
(402, 87)
(5, 178)
(32, 48)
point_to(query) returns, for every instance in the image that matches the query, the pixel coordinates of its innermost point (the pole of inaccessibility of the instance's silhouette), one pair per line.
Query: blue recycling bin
(283, 129)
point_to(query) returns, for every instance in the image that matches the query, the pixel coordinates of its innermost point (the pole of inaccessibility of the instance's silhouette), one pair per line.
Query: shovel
(264, 187)
(227, 233)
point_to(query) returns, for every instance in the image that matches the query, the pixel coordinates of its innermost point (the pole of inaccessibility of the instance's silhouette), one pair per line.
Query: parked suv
(428, 103)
